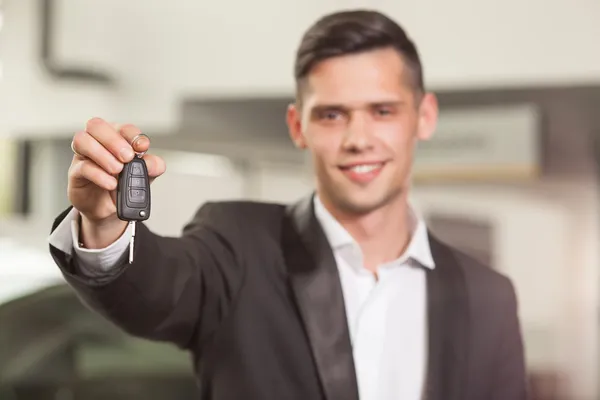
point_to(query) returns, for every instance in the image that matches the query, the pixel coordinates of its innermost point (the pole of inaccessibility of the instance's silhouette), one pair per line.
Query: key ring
(133, 142)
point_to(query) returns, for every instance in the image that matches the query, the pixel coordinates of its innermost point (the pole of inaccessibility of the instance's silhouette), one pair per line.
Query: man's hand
(100, 152)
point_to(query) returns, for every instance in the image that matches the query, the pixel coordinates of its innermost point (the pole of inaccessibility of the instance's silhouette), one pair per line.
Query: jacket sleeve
(176, 289)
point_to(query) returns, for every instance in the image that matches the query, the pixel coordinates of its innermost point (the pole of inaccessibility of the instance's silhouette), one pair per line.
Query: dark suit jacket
(252, 291)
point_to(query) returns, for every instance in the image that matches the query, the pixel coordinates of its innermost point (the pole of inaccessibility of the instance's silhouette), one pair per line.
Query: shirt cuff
(92, 262)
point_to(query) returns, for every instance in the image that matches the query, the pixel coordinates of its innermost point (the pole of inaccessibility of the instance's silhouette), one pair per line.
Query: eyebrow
(344, 107)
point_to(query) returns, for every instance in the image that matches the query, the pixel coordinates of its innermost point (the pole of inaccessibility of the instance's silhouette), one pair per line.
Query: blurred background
(511, 176)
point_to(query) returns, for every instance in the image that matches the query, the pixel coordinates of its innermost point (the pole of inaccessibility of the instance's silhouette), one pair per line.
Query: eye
(383, 111)
(330, 115)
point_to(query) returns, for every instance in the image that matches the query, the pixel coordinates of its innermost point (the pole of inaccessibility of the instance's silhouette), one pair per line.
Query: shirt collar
(338, 237)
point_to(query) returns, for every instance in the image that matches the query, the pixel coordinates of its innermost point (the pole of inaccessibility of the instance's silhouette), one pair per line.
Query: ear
(428, 116)
(294, 123)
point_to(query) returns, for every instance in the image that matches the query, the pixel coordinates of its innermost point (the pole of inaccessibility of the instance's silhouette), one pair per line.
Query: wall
(190, 181)
(30, 101)
(160, 51)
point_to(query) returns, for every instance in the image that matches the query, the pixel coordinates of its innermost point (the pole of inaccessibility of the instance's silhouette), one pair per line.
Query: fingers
(131, 133)
(108, 146)
(110, 139)
(88, 170)
(88, 147)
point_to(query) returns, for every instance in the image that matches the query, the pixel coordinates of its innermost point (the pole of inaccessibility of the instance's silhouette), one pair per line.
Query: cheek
(396, 136)
(322, 167)
(324, 144)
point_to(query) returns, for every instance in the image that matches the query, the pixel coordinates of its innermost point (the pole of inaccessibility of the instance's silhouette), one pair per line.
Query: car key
(133, 195)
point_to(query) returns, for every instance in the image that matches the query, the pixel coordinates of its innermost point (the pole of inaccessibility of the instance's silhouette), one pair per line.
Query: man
(343, 295)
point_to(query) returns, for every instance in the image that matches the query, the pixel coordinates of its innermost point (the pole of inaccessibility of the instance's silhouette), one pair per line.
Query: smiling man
(361, 115)
(343, 295)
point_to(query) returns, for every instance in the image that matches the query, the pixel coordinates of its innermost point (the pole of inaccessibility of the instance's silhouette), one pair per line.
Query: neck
(382, 234)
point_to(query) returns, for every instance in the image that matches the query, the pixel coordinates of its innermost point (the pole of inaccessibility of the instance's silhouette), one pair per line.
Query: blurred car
(53, 347)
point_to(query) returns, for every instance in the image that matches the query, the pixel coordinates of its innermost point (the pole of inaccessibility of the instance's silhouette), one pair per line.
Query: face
(361, 119)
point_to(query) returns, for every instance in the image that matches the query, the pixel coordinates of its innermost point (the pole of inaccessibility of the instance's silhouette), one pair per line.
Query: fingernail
(127, 154)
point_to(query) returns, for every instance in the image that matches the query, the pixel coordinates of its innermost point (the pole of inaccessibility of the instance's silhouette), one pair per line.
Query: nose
(357, 136)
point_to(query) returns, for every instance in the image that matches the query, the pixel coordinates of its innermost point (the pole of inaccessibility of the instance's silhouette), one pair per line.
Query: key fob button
(137, 182)
(133, 192)
(137, 196)
(136, 169)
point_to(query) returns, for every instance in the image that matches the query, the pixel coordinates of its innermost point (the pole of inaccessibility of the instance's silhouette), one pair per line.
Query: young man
(343, 295)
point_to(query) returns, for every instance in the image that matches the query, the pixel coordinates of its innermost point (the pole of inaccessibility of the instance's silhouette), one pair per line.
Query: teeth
(365, 168)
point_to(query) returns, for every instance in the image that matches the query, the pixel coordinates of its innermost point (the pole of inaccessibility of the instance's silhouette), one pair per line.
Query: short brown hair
(355, 31)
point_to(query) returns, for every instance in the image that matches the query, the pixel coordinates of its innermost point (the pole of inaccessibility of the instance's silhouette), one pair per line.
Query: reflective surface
(53, 347)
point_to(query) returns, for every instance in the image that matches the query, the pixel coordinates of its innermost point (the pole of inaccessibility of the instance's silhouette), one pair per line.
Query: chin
(362, 202)
(356, 199)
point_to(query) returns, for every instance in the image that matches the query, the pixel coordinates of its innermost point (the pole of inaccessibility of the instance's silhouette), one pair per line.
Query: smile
(365, 168)
(363, 173)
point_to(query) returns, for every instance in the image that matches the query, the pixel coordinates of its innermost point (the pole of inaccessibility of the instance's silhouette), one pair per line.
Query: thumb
(156, 165)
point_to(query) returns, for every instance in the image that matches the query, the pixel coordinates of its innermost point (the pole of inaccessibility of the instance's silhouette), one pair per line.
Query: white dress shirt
(387, 317)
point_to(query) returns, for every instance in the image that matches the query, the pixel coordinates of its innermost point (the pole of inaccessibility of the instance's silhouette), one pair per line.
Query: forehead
(369, 77)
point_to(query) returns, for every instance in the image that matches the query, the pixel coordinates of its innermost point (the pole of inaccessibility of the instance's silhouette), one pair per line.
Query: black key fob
(133, 191)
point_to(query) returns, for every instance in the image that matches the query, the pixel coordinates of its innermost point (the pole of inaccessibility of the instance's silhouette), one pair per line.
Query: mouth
(362, 172)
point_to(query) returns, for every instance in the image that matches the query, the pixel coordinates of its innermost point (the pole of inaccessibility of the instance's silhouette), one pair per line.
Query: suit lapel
(317, 290)
(318, 293)
(448, 326)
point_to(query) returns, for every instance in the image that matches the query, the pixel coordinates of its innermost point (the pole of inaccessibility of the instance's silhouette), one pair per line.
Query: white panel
(483, 143)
